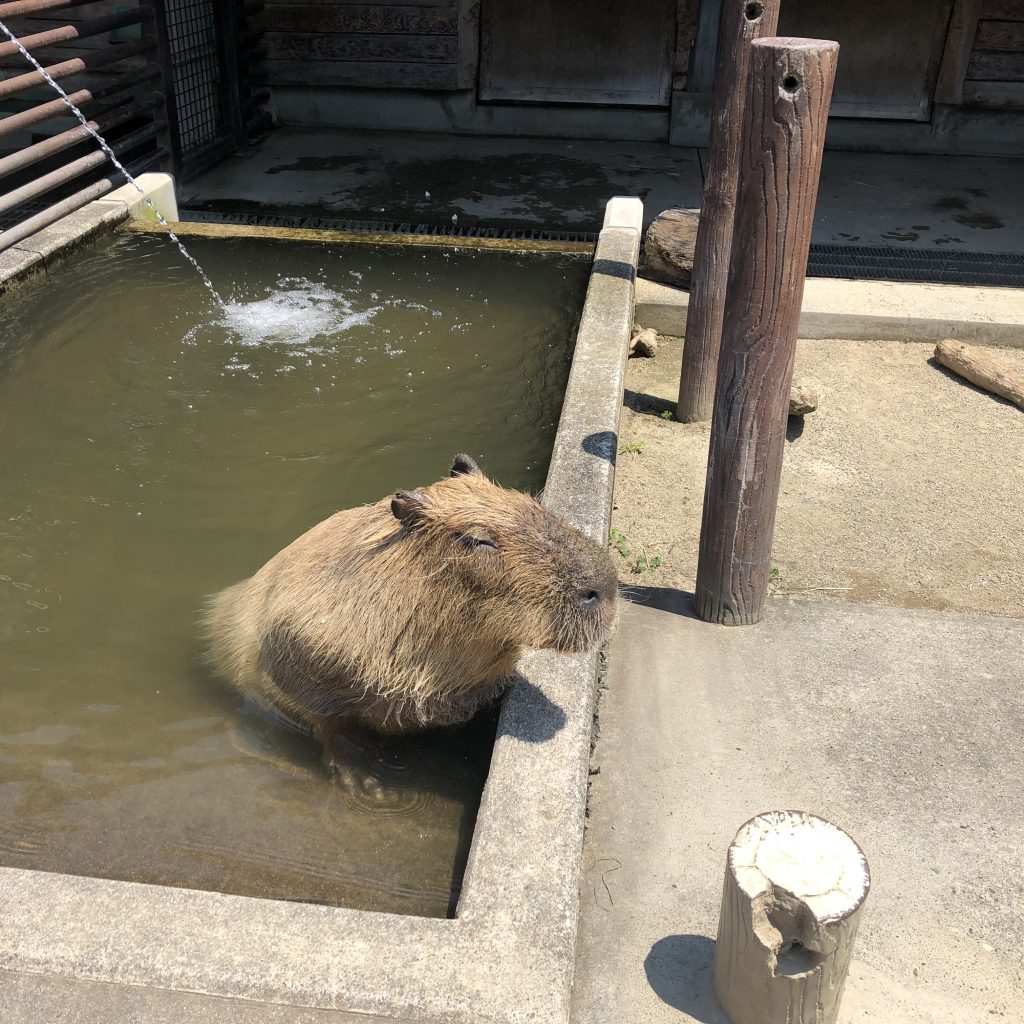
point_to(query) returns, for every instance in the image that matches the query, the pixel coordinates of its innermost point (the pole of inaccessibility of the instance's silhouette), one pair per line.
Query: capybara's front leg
(357, 760)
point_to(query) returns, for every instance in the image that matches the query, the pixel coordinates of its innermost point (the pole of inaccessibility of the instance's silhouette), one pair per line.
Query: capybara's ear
(465, 466)
(408, 507)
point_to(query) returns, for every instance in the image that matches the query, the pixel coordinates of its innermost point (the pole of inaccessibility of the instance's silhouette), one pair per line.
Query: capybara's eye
(478, 543)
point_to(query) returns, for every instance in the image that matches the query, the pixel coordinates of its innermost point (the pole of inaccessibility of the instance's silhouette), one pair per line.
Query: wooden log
(740, 23)
(789, 89)
(795, 887)
(976, 365)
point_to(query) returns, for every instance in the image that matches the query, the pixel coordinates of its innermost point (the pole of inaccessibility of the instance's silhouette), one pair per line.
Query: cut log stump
(976, 365)
(795, 887)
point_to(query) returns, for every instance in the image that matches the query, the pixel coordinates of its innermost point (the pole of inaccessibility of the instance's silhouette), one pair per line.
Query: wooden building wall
(391, 44)
(995, 71)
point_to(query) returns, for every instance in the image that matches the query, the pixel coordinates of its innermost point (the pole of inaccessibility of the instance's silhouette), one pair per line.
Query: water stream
(113, 159)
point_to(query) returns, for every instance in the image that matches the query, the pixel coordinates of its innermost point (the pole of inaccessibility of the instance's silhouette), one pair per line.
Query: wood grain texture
(956, 54)
(370, 74)
(468, 42)
(361, 18)
(1000, 35)
(714, 233)
(360, 47)
(976, 365)
(994, 95)
(794, 893)
(789, 89)
(1003, 10)
(992, 66)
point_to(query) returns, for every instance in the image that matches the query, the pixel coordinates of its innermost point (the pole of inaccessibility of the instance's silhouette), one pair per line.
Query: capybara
(412, 612)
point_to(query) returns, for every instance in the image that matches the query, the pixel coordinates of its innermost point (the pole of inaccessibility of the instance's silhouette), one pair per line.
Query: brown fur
(412, 612)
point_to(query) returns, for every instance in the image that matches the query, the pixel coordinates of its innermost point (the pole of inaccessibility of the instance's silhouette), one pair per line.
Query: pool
(159, 449)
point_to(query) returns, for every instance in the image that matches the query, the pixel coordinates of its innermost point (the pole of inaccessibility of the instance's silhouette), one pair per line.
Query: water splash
(113, 159)
(296, 313)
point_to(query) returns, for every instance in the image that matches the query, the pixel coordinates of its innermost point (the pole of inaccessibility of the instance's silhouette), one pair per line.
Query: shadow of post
(678, 968)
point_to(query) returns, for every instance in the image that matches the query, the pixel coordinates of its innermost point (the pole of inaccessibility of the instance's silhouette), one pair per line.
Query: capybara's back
(412, 612)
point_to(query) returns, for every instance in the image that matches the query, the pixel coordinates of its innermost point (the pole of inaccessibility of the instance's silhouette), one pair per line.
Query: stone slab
(900, 726)
(872, 311)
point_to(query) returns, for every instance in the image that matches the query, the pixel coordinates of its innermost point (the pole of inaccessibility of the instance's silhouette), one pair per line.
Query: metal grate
(207, 57)
(378, 227)
(1004, 270)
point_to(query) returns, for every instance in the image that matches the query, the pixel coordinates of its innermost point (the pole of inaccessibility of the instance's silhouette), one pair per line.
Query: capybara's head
(545, 584)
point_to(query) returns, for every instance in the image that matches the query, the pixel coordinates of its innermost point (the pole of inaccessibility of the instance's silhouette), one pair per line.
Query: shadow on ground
(678, 968)
(666, 599)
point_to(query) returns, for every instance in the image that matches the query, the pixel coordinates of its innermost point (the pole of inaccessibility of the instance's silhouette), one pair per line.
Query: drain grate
(378, 227)
(877, 263)
(996, 269)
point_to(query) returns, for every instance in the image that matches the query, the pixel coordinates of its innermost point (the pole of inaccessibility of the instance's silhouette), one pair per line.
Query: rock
(644, 343)
(668, 247)
(803, 398)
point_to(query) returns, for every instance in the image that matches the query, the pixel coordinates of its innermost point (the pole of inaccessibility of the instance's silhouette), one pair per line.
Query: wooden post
(741, 21)
(795, 887)
(789, 88)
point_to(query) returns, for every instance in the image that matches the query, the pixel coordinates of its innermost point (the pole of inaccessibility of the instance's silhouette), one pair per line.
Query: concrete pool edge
(508, 955)
(37, 253)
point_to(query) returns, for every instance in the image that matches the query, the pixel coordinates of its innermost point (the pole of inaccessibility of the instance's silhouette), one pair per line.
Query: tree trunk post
(795, 887)
(790, 85)
(741, 22)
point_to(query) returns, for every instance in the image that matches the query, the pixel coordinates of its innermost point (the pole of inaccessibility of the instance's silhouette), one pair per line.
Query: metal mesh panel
(197, 78)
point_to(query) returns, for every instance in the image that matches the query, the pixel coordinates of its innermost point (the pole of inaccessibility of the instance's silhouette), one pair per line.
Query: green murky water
(156, 450)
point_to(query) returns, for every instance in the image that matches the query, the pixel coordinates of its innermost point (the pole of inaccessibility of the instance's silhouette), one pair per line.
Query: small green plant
(667, 414)
(633, 447)
(617, 539)
(774, 578)
(642, 563)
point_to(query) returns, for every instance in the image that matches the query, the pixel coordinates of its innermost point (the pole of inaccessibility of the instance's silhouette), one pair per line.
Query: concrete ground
(903, 488)
(937, 202)
(901, 726)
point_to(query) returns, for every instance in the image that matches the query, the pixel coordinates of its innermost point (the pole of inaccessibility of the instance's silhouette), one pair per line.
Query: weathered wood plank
(366, 74)
(1003, 10)
(469, 42)
(1000, 35)
(377, 18)
(359, 47)
(956, 53)
(994, 95)
(987, 66)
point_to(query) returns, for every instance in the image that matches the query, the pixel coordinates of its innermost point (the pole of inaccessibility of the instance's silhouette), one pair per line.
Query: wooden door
(889, 53)
(577, 51)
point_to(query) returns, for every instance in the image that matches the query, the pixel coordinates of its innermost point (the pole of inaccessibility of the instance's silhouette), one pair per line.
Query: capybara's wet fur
(412, 612)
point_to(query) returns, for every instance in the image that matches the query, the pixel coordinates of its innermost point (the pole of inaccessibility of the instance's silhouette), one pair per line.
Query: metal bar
(54, 213)
(110, 118)
(13, 10)
(57, 107)
(40, 186)
(65, 33)
(12, 86)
